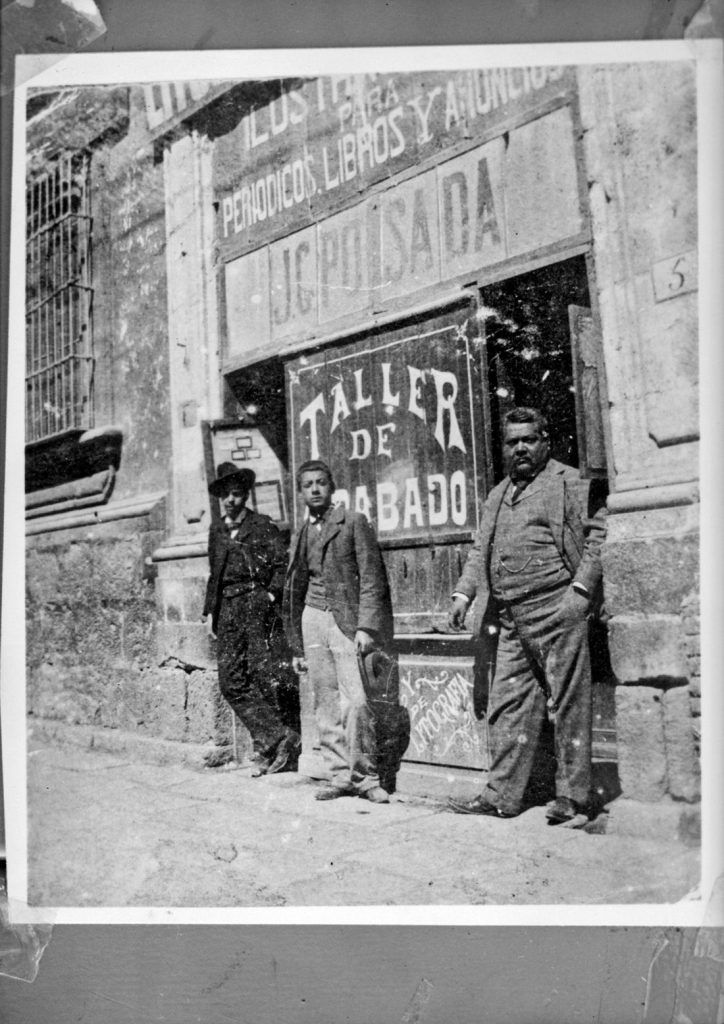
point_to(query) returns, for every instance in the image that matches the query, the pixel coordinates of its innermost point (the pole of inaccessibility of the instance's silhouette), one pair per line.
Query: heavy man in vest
(336, 606)
(535, 566)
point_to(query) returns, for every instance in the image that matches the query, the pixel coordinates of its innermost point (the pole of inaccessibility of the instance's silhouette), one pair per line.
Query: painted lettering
(413, 504)
(417, 378)
(420, 243)
(458, 496)
(389, 400)
(361, 401)
(384, 431)
(340, 409)
(487, 221)
(446, 388)
(455, 213)
(309, 415)
(329, 254)
(424, 134)
(362, 501)
(437, 508)
(387, 515)
(281, 317)
(304, 295)
(394, 270)
(361, 444)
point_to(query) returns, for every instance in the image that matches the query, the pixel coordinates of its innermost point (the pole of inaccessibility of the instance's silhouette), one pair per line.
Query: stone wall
(93, 655)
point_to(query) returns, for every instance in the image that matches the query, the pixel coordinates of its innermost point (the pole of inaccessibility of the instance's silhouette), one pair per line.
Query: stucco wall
(130, 306)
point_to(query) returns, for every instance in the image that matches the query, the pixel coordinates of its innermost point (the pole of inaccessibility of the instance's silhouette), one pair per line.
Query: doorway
(530, 351)
(539, 355)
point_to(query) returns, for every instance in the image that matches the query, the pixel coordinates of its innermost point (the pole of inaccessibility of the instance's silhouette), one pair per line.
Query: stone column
(639, 140)
(195, 395)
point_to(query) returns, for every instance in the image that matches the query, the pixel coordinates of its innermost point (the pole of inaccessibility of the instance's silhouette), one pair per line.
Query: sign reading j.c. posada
(315, 145)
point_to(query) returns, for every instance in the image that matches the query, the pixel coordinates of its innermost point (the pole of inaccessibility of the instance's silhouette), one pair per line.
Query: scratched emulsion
(21, 945)
(54, 27)
(416, 1009)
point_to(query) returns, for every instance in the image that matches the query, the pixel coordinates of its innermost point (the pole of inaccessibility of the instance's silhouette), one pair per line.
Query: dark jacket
(265, 560)
(354, 577)
(578, 531)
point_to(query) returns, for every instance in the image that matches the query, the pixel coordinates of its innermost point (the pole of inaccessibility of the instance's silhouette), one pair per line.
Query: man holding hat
(247, 558)
(336, 607)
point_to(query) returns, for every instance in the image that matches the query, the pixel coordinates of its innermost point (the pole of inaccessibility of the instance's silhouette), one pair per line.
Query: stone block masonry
(94, 645)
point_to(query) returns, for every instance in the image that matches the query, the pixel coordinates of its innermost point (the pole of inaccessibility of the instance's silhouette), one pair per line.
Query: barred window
(59, 301)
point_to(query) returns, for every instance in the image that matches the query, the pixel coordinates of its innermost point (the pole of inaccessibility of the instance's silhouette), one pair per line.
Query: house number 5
(675, 276)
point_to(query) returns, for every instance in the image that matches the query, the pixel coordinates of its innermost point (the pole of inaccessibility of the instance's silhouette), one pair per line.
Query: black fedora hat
(227, 474)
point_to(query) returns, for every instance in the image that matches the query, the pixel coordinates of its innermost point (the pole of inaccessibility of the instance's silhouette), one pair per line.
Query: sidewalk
(106, 830)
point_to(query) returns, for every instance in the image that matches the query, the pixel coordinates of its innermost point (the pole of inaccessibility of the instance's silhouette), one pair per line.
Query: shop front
(403, 258)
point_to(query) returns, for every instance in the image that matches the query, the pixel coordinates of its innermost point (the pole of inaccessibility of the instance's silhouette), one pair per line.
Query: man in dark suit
(535, 570)
(247, 557)
(336, 605)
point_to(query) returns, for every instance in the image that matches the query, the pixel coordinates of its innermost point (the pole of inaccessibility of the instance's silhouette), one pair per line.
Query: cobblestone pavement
(106, 830)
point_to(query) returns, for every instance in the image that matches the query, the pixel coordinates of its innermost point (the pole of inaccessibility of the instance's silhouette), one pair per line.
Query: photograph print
(361, 501)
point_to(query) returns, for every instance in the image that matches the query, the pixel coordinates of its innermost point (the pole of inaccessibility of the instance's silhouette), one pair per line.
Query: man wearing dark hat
(336, 606)
(248, 560)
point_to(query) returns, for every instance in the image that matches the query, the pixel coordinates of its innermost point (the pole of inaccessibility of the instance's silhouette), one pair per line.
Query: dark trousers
(255, 676)
(542, 668)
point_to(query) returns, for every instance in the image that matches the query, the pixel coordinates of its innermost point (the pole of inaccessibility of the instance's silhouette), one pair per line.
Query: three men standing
(535, 566)
(336, 605)
(247, 557)
(534, 569)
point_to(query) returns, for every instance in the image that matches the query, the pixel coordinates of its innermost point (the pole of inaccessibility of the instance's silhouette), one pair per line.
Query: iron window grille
(59, 301)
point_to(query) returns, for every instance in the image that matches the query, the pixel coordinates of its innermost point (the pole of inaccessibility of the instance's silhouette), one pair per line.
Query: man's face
(316, 490)
(525, 452)
(234, 499)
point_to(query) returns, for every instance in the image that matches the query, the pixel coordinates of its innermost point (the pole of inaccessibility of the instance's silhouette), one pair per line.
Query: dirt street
(106, 830)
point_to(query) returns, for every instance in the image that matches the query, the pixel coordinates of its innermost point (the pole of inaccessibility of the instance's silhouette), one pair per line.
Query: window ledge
(71, 470)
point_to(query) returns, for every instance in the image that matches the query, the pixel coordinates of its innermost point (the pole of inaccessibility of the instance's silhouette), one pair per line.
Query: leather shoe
(562, 809)
(334, 792)
(376, 795)
(258, 765)
(287, 754)
(478, 805)
(218, 757)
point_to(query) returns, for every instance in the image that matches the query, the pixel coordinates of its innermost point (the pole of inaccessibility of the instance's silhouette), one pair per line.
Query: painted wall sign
(438, 694)
(396, 417)
(317, 145)
(492, 202)
(168, 102)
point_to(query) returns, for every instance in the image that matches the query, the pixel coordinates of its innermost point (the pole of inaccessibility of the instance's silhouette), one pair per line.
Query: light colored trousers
(346, 726)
